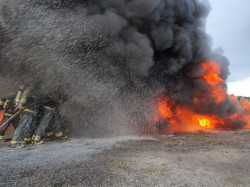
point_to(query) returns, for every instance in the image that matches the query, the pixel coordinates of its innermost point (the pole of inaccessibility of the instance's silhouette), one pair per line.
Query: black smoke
(111, 57)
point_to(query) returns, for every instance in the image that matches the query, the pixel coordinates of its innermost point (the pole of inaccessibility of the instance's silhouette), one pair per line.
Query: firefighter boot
(50, 136)
(61, 136)
(27, 141)
(37, 140)
(17, 144)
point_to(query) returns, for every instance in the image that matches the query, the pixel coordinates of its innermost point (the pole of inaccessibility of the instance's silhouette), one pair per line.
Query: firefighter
(8, 104)
(50, 124)
(30, 103)
(9, 109)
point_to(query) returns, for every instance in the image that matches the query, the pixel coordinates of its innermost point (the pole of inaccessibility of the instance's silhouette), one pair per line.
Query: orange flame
(213, 80)
(245, 104)
(182, 118)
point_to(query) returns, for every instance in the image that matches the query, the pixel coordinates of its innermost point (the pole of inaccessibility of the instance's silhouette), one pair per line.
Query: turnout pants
(49, 125)
(26, 127)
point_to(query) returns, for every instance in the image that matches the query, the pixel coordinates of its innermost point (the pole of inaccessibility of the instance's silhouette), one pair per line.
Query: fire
(245, 104)
(204, 123)
(213, 80)
(183, 117)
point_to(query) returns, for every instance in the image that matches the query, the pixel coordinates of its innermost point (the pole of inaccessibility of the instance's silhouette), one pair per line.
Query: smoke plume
(111, 57)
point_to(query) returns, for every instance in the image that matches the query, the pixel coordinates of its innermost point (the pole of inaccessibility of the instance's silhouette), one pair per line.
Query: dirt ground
(185, 160)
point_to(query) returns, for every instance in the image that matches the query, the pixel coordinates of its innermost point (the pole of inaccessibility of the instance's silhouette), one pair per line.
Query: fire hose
(6, 123)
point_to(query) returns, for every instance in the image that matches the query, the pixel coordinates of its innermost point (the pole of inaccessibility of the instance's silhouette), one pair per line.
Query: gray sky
(229, 26)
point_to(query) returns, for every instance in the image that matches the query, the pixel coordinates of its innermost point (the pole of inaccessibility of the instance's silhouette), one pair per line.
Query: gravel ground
(202, 159)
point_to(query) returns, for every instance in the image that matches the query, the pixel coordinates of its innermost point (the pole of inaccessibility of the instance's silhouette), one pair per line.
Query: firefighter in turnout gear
(31, 104)
(50, 123)
(8, 105)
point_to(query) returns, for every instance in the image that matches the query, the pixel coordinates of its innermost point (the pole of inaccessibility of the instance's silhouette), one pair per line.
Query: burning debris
(114, 57)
